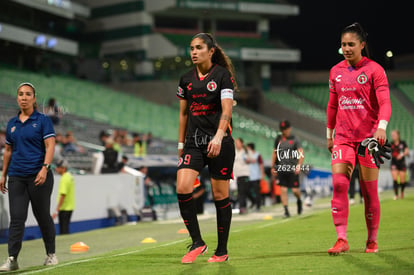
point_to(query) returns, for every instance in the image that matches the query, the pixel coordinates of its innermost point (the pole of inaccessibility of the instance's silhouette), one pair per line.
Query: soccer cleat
(340, 246)
(218, 259)
(51, 259)
(192, 255)
(10, 265)
(371, 247)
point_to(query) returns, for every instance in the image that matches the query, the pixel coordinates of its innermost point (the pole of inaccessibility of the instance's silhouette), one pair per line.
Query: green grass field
(294, 246)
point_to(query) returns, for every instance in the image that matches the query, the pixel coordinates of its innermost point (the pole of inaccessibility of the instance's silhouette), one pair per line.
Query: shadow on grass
(363, 265)
(394, 262)
(382, 254)
(221, 268)
(285, 255)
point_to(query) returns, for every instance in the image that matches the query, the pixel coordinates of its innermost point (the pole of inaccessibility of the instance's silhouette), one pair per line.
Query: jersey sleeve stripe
(49, 135)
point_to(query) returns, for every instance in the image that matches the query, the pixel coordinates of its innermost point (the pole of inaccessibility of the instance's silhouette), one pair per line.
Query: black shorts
(398, 165)
(289, 180)
(220, 167)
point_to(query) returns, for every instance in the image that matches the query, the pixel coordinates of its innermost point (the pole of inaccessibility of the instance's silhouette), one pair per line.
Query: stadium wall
(95, 195)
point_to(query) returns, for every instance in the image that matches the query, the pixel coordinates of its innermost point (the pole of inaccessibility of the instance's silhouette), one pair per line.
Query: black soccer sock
(286, 209)
(189, 215)
(299, 205)
(396, 188)
(223, 210)
(402, 187)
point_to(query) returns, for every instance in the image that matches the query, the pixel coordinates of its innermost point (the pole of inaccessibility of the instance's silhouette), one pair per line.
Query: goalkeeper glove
(375, 150)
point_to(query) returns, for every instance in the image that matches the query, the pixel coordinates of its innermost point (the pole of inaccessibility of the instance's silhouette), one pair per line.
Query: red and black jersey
(287, 150)
(204, 102)
(398, 149)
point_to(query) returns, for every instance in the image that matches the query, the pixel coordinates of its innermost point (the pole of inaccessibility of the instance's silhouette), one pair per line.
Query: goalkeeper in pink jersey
(358, 112)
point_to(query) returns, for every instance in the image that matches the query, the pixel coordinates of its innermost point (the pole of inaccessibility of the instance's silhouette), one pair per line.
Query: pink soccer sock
(339, 204)
(372, 207)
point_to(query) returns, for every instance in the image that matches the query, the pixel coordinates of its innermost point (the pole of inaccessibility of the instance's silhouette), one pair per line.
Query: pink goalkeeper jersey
(357, 93)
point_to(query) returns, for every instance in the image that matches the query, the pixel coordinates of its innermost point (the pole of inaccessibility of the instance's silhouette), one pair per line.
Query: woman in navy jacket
(30, 143)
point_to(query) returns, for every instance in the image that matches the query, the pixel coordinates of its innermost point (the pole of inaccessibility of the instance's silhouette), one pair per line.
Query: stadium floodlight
(40, 40)
(51, 43)
(389, 54)
(340, 51)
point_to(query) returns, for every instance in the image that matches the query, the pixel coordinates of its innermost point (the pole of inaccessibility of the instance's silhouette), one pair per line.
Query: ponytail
(357, 29)
(219, 57)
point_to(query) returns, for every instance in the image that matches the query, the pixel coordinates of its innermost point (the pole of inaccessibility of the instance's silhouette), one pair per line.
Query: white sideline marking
(101, 257)
(141, 250)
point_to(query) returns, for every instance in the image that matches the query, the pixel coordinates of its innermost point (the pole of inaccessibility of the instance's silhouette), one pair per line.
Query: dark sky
(316, 31)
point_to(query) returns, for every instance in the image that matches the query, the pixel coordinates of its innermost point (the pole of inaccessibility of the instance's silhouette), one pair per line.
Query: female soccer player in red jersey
(359, 107)
(204, 138)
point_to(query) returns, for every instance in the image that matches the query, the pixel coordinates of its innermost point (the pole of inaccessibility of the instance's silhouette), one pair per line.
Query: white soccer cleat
(51, 259)
(10, 265)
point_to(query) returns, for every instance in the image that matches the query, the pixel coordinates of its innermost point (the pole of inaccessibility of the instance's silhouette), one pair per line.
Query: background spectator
(140, 146)
(103, 135)
(70, 145)
(122, 164)
(199, 195)
(287, 159)
(241, 173)
(352, 186)
(58, 147)
(52, 110)
(148, 184)
(149, 138)
(256, 173)
(66, 197)
(110, 164)
(125, 138)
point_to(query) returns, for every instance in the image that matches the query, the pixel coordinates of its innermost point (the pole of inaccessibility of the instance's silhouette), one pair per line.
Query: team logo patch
(362, 78)
(34, 125)
(212, 86)
(190, 86)
(331, 86)
(13, 129)
(180, 91)
(338, 78)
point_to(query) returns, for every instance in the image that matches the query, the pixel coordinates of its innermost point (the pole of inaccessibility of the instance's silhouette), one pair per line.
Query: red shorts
(347, 152)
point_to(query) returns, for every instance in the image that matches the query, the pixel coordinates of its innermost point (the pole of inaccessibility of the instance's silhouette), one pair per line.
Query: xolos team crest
(362, 78)
(212, 86)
